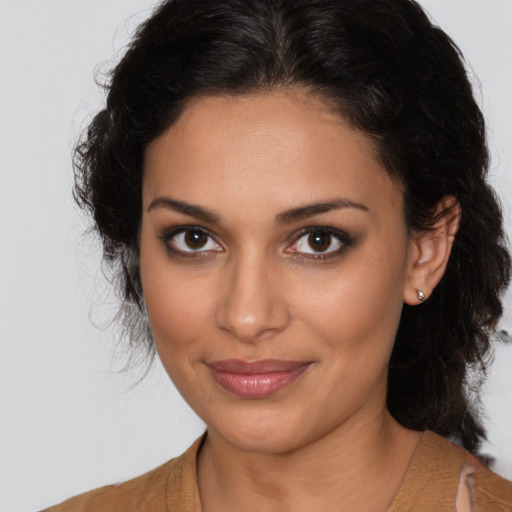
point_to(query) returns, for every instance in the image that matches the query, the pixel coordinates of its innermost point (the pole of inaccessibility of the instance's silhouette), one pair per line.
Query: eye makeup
(309, 243)
(320, 243)
(189, 241)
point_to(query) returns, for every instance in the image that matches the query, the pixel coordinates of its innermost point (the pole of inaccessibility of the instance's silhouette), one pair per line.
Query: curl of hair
(387, 71)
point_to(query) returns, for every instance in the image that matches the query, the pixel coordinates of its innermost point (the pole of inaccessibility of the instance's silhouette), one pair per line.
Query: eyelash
(168, 236)
(344, 238)
(341, 236)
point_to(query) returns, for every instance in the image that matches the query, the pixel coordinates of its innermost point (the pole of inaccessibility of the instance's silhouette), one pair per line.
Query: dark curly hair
(386, 70)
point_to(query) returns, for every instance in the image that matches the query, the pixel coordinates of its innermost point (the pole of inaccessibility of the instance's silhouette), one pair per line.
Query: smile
(256, 379)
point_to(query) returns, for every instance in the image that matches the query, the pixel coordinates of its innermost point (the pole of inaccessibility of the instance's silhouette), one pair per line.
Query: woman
(293, 194)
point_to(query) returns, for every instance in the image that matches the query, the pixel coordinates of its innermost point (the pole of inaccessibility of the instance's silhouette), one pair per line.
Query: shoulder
(131, 495)
(171, 484)
(491, 492)
(441, 474)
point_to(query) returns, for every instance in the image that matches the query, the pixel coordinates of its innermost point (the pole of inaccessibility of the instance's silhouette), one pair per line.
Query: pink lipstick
(256, 379)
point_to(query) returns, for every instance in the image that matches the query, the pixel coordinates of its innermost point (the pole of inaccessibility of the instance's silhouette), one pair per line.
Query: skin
(259, 290)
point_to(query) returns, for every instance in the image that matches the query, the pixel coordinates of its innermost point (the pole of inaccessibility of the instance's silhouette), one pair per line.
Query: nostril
(252, 328)
(251, 306)
(252, 320)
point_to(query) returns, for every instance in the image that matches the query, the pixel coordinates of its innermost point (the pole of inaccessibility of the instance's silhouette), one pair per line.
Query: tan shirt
(439, 475)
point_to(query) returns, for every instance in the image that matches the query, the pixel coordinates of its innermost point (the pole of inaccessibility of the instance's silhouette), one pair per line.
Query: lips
(256, 379)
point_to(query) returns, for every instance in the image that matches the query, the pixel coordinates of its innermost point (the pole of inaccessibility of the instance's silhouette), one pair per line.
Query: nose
(252, 306)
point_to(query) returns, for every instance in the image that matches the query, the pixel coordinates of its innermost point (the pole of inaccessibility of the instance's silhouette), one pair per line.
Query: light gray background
(68, 421)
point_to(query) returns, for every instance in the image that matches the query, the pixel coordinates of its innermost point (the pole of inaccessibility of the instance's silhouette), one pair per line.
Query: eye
(320, 242)
(317, 242)
(190, 240)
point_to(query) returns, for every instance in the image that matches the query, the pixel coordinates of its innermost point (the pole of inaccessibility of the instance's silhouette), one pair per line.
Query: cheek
(177, 307)
(356, 309)
(177, 310)
(178, 317)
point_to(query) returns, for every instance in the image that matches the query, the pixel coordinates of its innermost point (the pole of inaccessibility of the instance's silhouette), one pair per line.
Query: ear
(430, 250)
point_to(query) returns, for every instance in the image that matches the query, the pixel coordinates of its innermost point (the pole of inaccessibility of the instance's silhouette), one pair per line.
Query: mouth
(256, 379)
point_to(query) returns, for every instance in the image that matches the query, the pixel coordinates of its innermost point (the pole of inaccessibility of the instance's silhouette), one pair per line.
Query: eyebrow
(286, 217)
(310, 210)
(192, 210)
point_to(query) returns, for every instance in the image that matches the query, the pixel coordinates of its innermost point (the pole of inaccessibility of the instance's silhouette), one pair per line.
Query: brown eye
(195, 239)
(319, 241)
(190, 240)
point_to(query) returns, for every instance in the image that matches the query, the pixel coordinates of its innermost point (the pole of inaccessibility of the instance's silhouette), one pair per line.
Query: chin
(271, 433)
(269, 443)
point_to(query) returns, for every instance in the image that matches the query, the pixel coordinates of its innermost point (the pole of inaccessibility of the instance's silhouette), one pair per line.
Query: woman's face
(274, 257)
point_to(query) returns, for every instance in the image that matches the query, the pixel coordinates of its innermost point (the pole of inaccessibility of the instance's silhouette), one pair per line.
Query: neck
(334, 472)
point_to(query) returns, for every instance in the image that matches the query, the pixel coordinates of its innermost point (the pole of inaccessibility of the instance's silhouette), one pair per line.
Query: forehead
(272, 148)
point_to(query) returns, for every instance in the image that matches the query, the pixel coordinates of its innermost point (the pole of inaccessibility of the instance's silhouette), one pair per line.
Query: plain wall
(69, 421)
